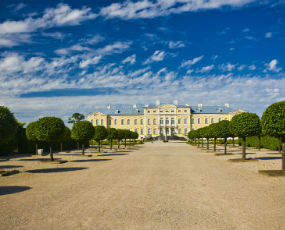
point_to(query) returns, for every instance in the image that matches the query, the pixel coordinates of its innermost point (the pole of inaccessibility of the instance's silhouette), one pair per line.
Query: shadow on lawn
(51, 170)
(91, 160)
(268, 158)
(10, 166)
(4, 190)
(112, 154)
(40, 159)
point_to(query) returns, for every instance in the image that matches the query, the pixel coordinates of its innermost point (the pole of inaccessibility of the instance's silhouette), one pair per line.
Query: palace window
(102, 121)
(161, 121)
(179, 110)
(154, 111)
(122, 121)
(206, 120)
(154, 121)
(185, 120)
(172, 111)
(148, 131)
(167, 121)
(97, 122)
(161, 111)
(199, 121)
(212, 120)
(179, 131)
(141, 131)
(179, 121)
(185, 131)
(161, 131)
(110, 121)
(141, 121)
(226, 118)
(192, 120)
(166, 111)
(115, 122)
(148, 121)
(136, 130)
(172, 121)
(185, 111)
(128, 121)
(220, 119)
(136, 121)
(154, 131)
(148, 111)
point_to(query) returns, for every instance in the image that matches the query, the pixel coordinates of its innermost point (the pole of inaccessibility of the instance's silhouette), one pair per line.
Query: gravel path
(154, 186)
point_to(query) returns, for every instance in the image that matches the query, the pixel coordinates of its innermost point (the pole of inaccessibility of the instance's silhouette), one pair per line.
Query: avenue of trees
(245, 125)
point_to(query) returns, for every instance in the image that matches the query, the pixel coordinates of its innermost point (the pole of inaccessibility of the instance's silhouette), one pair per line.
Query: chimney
(108, 106)
(200, 105)
(175, 102)
(134, 106)
(227, 105)
(146, 105)
(157, 102)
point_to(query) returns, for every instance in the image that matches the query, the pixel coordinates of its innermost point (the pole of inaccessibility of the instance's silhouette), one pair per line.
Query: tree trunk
(279, 144)
(118, 143)
(233, 141)
(225, 145)
(99, 146)
(51, 153)
(202, 142)
(207, 143)
(125, 142)
(83, 149)
(283, 156)
(259, 142)
(60, 147)
(215, 144)
(198, 142)
(243, 148)
(36, 148)
(111, 144)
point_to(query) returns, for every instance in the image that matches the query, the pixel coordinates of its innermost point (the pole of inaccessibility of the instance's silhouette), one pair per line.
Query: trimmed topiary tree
(100, 133)
(111, 135)
(120, 136)
(66, 137)
(50, 130)
(245, 125)
(273, 124)
(213, 129)
(223, 131)
(31, 133)
(8, 125)
(82, 131)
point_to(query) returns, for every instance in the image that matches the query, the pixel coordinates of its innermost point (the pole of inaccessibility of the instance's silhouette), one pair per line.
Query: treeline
(50, 133)
(249, 128)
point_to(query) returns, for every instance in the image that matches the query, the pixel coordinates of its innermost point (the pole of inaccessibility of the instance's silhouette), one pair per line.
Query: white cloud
(62, 15)
(205, 69)
(147, 9)
(116, 47)
(227, 67)
(191, 62)
(69, 50)
(156, 57)
(174, 45)
(91, 61)
(272, 66)
(55, 35)
(130, 59)
(241, 67)
(268, 34)
(252, 67)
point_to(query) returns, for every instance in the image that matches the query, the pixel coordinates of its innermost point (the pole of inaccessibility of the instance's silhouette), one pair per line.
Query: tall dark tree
(82, 131)
(245, 125)
(75, 118)
(8, 125)
(50, 130)
(31, 133)
(111, 135)
(100, 133)
(273, 124)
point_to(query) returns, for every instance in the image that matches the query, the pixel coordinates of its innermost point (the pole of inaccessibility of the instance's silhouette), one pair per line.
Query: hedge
(267, 142)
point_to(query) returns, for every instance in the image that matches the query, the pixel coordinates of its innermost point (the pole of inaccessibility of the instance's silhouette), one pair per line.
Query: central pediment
(167, 106)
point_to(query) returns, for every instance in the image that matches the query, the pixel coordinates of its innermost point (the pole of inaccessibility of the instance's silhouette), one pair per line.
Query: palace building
(161, 119)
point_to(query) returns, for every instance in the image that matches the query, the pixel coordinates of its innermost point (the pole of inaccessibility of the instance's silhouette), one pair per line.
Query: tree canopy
(82, 131)
(75, 118)
(31, 131)
(8, 125)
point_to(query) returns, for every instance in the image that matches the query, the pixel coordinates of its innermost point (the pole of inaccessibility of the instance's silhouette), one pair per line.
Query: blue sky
(61, 57)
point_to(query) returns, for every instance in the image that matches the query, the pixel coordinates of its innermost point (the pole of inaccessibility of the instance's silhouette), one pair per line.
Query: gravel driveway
(154, 186)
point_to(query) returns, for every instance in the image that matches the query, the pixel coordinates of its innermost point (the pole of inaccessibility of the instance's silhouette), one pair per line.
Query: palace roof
(138, 109)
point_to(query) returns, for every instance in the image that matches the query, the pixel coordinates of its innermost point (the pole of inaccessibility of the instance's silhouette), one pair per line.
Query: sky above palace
(61, 57)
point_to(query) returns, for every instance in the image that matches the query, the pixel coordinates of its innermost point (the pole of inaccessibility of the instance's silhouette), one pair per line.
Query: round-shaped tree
(50, 130)
(213, 129)
(245, 125)
(31, 133)
(111, 135)
(273, 124)
(82, 131)
(223, 131)
(120, 136)
(8, 125)
(100, 133)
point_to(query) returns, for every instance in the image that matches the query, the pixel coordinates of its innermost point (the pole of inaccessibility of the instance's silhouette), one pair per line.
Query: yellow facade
(162, 120)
